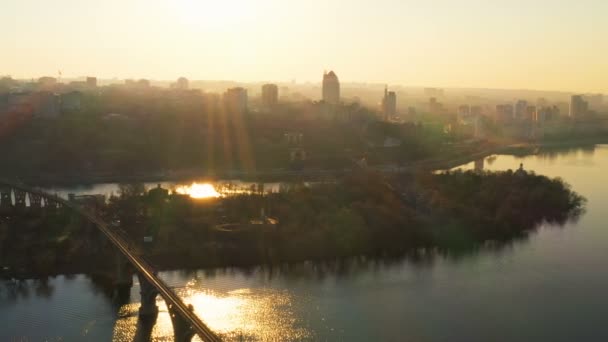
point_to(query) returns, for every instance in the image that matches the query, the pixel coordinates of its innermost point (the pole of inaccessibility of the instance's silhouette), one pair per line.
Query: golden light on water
(238, 315)
(244, 314)
(196, 190)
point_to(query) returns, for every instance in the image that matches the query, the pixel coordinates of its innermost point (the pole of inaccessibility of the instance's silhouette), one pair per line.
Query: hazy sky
(533, 44)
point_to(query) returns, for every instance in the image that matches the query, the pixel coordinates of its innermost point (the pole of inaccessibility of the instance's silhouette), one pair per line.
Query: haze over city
(321, 170)
(471, 43)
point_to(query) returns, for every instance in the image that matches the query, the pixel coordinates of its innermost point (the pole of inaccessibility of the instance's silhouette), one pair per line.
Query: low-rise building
(71, 101)
(270, 95)
(91, 81)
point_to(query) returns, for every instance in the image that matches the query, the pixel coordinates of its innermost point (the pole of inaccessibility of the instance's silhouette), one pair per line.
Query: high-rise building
(389, 103)
(91, 82)
(594, 101)
(546, 113)
(331, 88)
(504, 113)
(433, 92)
(143, 83)
(464, 110)
(530, 113)
(578, 106)
(270, 95)
(476, 110)
(47, 83)
(435, 107)
(182, 83)
(235, 99)
(541, 102)
(520, 109)
(47, 80)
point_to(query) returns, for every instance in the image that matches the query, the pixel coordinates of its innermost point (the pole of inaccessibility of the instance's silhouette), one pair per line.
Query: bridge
(186, 323)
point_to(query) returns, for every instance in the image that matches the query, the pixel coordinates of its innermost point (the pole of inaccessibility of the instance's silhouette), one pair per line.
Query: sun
(211, 14)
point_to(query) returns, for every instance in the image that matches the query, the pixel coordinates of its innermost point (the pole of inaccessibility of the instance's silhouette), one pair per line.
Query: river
(550, 286)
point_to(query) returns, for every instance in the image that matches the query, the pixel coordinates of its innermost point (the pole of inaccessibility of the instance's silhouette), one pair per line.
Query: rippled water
(549, 287)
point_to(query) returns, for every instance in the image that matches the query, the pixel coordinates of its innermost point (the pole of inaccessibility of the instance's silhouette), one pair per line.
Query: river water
(549, 287)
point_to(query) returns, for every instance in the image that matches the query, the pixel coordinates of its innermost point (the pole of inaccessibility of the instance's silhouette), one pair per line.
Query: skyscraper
(504, 113)
(578, 106)
(235, 99)
(530, 113)
(270, 95)
(389, 103)
(594, 101)
(520, 109)
(182, 83)
(331, 88)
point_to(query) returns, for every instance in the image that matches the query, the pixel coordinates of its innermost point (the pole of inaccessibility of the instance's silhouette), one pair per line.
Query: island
(365, 213)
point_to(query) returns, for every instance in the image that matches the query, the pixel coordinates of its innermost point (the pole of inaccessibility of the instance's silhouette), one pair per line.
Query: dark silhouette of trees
(365, 213)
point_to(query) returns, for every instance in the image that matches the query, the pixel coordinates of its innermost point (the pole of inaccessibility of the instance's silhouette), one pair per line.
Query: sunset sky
(532, 44)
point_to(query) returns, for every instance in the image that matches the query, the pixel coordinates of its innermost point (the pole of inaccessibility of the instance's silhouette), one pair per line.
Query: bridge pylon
(5, 197)
(123, 278)
(148, 294)
(182, 330)
(19, 198)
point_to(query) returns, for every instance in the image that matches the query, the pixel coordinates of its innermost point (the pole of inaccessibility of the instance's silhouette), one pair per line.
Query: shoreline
(365, 230)
(518, 149)
(257, 176)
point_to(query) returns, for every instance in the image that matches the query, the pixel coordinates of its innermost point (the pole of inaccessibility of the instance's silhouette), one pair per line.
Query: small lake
(549, 287)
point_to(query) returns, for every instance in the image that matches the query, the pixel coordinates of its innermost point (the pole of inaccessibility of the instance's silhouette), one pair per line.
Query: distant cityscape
(521, 114)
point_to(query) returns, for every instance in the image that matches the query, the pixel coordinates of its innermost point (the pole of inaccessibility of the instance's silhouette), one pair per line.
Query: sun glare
(211, 14)
(197, 190)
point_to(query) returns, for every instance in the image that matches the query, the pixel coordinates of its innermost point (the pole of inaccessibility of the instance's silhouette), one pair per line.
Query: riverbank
(285, 175)
(197, 174)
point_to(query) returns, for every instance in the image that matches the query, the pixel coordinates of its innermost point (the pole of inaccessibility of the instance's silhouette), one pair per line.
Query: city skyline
(467, 45)
(174, 83)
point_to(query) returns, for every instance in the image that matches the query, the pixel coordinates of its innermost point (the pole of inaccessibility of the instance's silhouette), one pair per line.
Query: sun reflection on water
(128, 327)
(238, 315)
(244, 315)
(198, 190)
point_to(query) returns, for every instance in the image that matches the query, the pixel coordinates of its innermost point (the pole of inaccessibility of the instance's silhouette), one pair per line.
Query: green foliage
(364, 213)
(123, 132)
(499, 204)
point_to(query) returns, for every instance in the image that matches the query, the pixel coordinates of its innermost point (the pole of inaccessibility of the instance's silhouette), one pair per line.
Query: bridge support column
(182, 331)
(19, 198)
(5, 198)
(148, 297)
(145, 325)
(123, 278)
